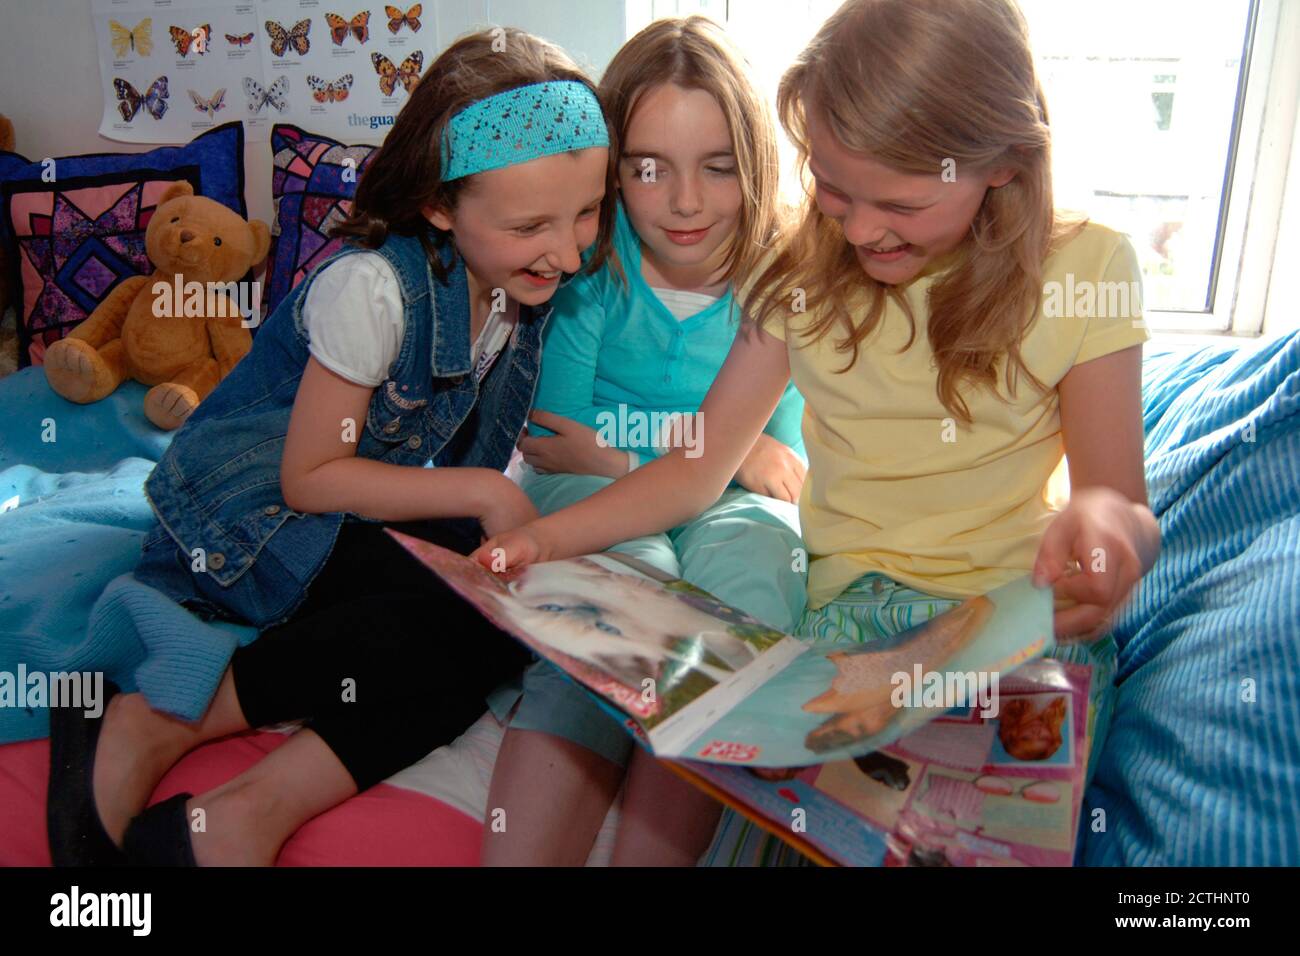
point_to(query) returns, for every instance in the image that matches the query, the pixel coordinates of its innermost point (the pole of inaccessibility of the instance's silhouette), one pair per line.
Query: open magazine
(720, 694)
(963, 790)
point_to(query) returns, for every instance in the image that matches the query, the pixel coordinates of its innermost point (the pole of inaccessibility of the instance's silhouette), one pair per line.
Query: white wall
(49, 74)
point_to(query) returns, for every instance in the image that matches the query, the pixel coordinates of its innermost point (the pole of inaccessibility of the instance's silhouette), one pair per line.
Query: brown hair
(914, 83)
(694, 53)
(405, 174)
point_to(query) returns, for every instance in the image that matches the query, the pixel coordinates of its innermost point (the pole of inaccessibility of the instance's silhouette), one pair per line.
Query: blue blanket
(74, 516)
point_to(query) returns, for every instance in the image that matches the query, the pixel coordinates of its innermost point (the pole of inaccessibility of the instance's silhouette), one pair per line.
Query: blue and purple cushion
(73, 227)
(312, 186)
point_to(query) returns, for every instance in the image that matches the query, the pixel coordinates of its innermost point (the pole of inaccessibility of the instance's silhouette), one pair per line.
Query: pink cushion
(385, 826)
(73, 227)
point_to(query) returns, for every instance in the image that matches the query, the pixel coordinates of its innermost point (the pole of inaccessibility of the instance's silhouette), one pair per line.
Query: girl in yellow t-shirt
(952, 335)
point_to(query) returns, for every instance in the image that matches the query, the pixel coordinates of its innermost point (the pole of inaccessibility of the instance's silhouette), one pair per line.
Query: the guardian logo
(371, 122)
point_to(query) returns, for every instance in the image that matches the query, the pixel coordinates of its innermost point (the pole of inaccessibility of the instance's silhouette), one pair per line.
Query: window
(1144, 101)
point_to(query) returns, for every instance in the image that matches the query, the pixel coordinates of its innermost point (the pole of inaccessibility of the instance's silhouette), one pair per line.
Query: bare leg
(246, 820)
(555, 794)
(665, 821)
(138, 745)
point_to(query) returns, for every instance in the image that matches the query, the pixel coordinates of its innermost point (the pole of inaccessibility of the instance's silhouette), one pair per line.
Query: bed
(71, 482)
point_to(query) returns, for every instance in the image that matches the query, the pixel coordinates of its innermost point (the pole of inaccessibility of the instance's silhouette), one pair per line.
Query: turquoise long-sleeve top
(608, 345)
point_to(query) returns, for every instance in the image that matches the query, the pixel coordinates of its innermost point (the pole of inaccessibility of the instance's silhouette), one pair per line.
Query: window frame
(1253, 184)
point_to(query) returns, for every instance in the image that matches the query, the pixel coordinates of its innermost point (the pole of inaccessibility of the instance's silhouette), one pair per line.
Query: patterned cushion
(1202, 763)
(311, 187)
(73, 239)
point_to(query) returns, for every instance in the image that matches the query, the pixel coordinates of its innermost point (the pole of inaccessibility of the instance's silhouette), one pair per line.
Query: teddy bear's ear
(175, 191)
(261, 239)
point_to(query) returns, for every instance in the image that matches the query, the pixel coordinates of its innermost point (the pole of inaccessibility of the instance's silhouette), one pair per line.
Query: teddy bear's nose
(186, 235)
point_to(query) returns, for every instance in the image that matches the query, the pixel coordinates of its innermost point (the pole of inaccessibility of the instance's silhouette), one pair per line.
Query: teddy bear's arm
(105, 323)
(231, 341)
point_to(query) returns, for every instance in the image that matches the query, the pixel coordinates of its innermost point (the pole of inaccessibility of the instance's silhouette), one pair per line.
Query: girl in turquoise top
(627, 346)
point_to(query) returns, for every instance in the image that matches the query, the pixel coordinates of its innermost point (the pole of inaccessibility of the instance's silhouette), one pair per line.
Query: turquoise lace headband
(520, 125)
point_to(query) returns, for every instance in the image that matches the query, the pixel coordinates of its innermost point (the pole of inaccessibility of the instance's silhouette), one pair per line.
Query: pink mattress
(385, 826)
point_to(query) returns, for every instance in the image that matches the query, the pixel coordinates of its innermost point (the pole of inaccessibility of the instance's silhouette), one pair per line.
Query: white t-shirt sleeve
(353, 317)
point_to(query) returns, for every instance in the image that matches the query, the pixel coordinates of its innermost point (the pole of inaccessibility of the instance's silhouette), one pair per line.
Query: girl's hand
(574, 449)
(504, 506)
(511, 550)
(1113, 541)
(772, 469)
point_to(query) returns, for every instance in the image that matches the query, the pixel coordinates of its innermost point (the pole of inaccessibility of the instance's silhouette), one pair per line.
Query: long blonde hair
(918, 84)
(694, 53)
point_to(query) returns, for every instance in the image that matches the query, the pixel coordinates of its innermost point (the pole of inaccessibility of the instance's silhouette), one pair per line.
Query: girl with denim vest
(388, 388)
(695, 147)
(914, 307)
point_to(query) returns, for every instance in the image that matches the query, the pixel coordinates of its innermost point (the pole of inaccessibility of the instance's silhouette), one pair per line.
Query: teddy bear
(177, 330)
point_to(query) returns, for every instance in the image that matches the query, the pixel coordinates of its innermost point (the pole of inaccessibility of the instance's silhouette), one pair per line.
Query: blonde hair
(694, 53)
(915, 83)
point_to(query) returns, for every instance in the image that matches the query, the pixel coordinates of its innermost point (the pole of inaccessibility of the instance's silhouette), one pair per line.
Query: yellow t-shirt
(898, 486)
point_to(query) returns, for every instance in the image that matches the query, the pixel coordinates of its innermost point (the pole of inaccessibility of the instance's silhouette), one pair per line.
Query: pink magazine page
(964, 790)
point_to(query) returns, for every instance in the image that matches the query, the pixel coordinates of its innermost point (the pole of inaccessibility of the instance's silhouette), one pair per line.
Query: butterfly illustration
(186, 40)
(217, 101)
(411, 18)
(130, 99)
(244, 40)
(335, 92)
(359, 25)
(273, 94)
(282, 38)
(140, 39)
(408, 72)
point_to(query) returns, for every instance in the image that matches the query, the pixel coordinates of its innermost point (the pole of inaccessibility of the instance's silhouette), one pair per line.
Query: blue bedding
(71, 480)
(1200, 765)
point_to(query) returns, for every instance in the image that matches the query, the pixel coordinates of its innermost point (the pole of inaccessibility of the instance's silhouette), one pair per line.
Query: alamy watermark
(84, 689)
(946, 690)
(632, 428)
(75, 908)
(229, 300)
(1087, 299)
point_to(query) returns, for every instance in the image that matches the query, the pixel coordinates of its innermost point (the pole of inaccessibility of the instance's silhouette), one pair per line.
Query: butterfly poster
(340, 68)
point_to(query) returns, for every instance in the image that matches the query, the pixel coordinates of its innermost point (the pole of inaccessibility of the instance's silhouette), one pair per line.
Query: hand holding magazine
(696, 680)
(704, 681)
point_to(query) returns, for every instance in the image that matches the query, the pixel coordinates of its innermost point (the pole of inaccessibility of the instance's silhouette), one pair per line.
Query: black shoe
(160, 836)
(77, 835)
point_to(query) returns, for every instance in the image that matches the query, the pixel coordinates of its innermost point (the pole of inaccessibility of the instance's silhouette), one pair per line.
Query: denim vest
(217, 488)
